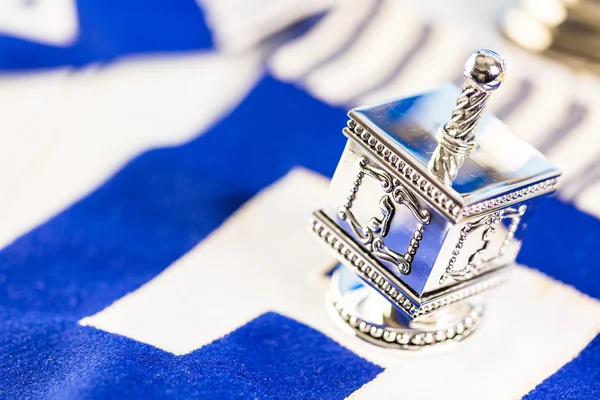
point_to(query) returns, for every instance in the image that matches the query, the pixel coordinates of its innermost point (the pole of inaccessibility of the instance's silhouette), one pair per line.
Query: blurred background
(86, 85)
(157, 170)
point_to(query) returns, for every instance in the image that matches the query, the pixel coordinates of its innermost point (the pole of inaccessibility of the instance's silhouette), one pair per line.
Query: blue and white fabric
(158, 164)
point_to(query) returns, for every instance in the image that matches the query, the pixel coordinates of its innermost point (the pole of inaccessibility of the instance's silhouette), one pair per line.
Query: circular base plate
(370, 317)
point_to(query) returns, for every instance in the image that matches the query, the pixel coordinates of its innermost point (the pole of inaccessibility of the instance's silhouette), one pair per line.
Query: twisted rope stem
(467, 113)
(445, 164)
(457, 137)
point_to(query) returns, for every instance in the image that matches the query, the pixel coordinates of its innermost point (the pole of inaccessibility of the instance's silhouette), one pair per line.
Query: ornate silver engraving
(408, 338)
(430, 189)
(478, 262)
(377, 228)
(396, 292)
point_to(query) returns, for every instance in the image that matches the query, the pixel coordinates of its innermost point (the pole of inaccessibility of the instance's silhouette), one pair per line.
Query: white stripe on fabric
(433, 65)
(262, 258)
(51, 22)
(337, 29)
(385, 42)
(536, 118)
(89, 123)
(533, 325)
(588, 200)
(238, 25)
(579, 150)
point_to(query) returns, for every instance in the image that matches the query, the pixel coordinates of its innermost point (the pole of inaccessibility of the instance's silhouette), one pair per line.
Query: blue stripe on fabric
(562, 242)
(164, 202)
(136, 224)
(579, 379)
(155, 210)
(271, 357)
(112, 28)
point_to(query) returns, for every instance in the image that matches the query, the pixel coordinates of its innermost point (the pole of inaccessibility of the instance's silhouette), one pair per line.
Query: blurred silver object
(565, 29)
(423, 215)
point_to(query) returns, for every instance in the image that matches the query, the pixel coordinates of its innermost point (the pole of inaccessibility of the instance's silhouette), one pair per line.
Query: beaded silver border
(408, 339)
(367, 268)
(538, 189)
(350, 253)
(442, 201)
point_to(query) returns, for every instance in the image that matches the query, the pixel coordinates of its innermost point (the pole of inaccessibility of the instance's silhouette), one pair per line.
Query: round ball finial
(485, 70)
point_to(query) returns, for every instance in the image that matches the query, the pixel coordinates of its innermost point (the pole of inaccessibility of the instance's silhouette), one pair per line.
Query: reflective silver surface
(364, 313)
(427, 241)
(501, 163)
(467, 248)
(483, 72)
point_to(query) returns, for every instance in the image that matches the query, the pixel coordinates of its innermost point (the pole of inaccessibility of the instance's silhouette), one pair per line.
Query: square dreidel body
(422, 216)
